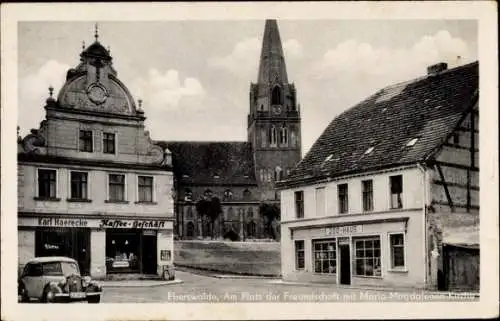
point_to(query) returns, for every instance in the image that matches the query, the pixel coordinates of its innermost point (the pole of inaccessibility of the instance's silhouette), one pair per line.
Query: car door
(32, 276)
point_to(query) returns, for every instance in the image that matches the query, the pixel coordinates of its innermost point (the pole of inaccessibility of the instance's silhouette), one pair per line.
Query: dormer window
(412, 142)
(108, 143)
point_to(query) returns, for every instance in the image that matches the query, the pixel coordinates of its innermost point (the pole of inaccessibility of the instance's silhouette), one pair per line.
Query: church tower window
(276, 96)
(293, 138)
(263, 138)
(284, 135)
(277, 174)
(274, 136)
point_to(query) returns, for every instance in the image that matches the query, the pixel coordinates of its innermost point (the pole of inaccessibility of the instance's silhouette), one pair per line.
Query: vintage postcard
(249, 161)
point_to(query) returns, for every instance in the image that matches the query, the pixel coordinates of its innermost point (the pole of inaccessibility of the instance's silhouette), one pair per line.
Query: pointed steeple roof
(272, 60)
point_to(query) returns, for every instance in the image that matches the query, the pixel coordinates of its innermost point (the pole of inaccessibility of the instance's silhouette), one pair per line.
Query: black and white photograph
(249, 161)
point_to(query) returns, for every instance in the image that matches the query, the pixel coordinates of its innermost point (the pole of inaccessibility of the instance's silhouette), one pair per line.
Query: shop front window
(325, 256)
(367, 257)
(122, 251)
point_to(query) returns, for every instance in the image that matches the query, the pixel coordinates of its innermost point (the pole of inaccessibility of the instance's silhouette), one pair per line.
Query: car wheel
(22, 293)
(48, 295)
(95, 299)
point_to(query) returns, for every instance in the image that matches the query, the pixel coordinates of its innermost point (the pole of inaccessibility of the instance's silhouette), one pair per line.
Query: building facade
(243, 174)
(91, 183)
(388, 185)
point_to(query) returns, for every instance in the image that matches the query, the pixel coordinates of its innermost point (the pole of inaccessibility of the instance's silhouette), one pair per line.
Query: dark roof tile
(201, 162)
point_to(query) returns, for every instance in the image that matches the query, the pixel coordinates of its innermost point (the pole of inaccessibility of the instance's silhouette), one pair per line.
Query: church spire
(272, 66)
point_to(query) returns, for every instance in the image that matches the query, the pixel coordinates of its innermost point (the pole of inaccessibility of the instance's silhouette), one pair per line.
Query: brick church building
(242, 174)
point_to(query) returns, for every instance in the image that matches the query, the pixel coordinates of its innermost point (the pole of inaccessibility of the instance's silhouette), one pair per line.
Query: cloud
(391, 64)
(163, 91)
(354, 70)
(243, 60)
(33, 91)
(292, 49)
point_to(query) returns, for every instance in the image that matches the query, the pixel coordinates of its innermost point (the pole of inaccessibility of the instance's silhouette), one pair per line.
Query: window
(343, 198)
(190, 229)
(228, 195)
(396, 183)
(277, 174)
(47, 183)
(367, 257)
(367, 195)
(320, 202)
(52, 268)
(299, 204)
(283, 136)
(397, 242)
(325, 256)
(86, 141)
(276, 96)
(188, 195)
(263, 138)
(123, 250)
(108, 143)
(412, 142)
(189, 213)
(116, 187)
(299, 255)
(79, 185)
(251, 229)
(145, 186)
(273, 136)
(293, 138)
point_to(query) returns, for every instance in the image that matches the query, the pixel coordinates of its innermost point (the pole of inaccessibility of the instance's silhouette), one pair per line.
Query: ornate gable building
(91, 183)
(242, 174)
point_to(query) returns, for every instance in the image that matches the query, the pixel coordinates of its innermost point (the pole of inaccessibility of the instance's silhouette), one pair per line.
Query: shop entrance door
(345, 264)
(149, 256)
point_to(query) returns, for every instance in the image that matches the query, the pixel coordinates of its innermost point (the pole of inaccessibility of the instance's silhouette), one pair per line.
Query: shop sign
(138, 224)
(165, 255)
(344, 230)
(62, 222)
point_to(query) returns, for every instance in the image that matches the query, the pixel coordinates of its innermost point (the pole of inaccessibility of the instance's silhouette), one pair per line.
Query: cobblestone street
(201, 288)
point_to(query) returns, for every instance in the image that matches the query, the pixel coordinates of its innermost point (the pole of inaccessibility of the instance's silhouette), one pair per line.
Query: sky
(194, 76)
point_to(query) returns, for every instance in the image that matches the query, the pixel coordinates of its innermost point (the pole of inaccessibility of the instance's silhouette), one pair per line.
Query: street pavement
(204, 288)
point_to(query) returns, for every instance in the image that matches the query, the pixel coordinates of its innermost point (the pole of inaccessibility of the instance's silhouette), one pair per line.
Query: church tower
(274, 118)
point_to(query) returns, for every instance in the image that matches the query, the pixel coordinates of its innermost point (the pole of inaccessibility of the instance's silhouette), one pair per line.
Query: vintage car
(56, 279)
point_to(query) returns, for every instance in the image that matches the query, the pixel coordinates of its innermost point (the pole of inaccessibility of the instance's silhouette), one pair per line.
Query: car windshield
(51, 268)
(69, 268)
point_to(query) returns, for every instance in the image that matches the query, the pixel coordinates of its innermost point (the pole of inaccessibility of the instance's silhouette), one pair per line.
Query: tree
(209, 208)
(202, 208)
(214, 210)
(271, 213)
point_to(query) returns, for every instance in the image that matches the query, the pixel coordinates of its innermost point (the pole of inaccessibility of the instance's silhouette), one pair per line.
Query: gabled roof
(427, 108)
(214, 163)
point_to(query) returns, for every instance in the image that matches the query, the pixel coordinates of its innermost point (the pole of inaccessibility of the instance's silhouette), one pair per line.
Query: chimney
(437, 68)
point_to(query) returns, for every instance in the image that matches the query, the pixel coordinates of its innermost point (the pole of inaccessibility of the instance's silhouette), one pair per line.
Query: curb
(221, 275)
(127, 284)
(347, 287)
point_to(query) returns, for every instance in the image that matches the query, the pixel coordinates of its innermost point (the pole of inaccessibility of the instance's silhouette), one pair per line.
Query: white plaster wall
(98, 253)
